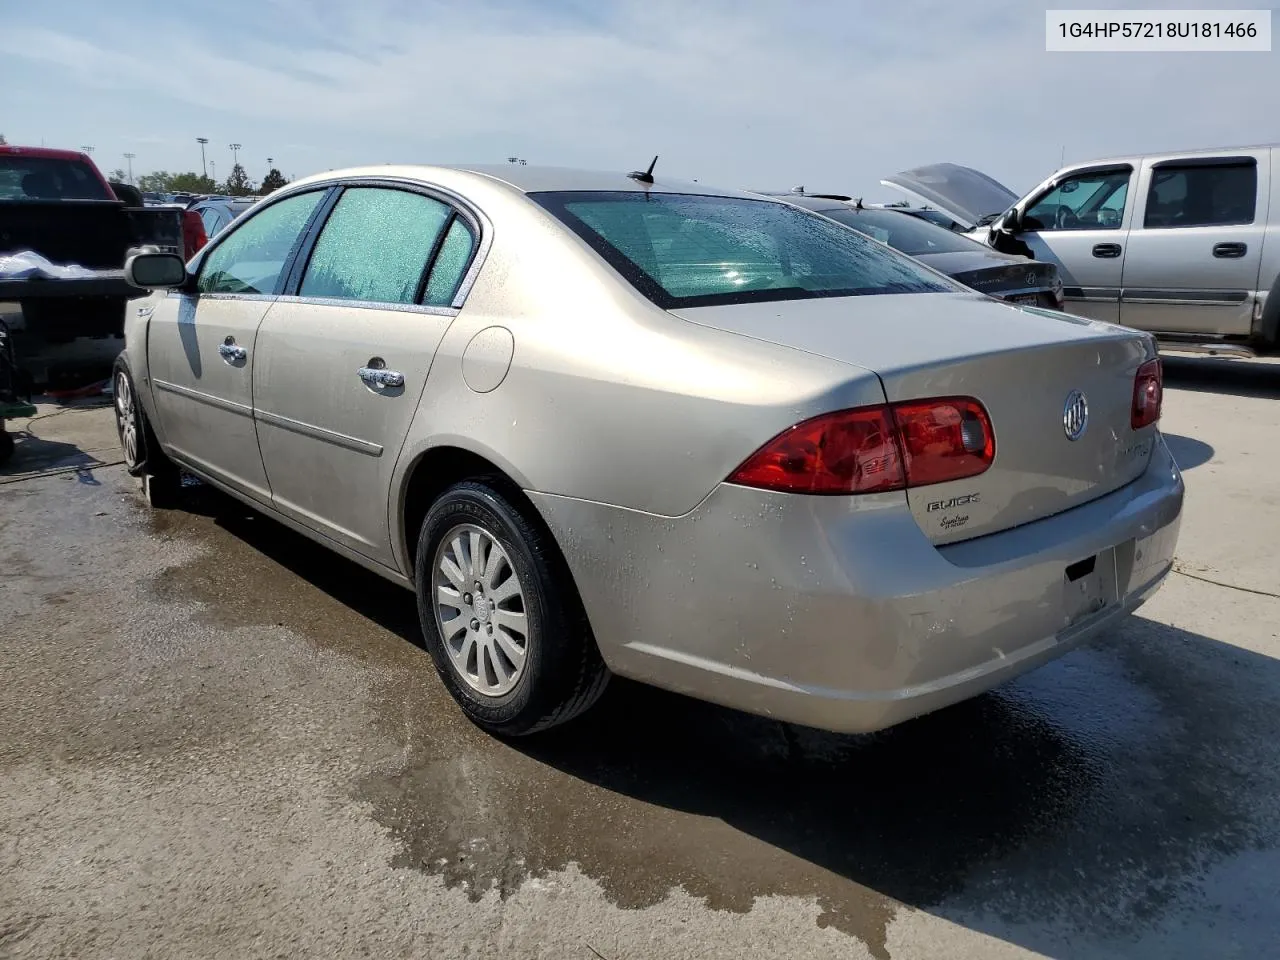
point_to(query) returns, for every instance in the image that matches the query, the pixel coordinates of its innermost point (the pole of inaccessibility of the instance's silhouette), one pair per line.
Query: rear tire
(161, 478)
(500, 615)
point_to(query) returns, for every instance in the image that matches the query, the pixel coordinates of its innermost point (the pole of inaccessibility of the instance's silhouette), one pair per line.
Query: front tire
(500, 615)
(140, 450)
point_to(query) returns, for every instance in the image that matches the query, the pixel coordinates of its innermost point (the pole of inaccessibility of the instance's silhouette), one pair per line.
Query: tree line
(237, 184)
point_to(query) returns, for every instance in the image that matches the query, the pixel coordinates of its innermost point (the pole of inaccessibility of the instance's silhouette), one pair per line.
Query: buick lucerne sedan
(606, 425)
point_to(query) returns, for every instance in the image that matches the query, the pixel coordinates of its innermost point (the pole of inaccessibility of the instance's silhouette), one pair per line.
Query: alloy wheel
(479, 606)
(126, 419)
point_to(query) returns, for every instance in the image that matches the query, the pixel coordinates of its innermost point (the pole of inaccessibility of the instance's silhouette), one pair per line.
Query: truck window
(49, 178)
(1087, 201)
(1200, 195)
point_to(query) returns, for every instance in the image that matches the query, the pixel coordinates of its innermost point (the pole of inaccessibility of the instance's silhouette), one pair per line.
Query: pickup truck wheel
(161, 478)
(500, 615)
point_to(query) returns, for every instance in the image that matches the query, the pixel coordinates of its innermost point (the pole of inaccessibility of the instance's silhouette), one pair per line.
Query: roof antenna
(644, 176)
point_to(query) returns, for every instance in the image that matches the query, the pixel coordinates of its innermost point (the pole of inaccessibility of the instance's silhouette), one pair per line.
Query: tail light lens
(1148, 394)
(193, 235)
(875, 449)
(851, 451)
(944, 440)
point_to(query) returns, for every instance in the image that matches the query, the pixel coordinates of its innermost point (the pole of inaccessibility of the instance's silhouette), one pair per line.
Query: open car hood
(962, 193)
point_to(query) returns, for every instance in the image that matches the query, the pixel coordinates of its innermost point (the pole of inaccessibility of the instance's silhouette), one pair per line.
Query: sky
(761, 94)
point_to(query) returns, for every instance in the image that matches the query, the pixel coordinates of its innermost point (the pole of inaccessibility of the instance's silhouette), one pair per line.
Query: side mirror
(1011, 222)
(155, 271)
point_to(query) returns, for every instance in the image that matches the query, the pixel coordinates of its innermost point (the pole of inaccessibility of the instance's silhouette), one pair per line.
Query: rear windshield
(48, 178)
(682, 250)
(902, 231)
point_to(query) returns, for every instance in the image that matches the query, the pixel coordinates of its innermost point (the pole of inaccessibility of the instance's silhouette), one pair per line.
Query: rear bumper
(838, 612)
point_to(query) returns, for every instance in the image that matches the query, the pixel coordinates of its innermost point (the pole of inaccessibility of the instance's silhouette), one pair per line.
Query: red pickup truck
(57, 204)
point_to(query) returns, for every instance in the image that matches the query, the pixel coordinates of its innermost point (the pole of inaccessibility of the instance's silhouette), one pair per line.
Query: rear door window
(1202, 195)
(375, 246)
(450, 264)
(251, 256)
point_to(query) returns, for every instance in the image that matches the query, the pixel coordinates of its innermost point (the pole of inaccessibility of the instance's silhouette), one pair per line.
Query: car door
(200, 345)
(341, 364)
(1081, 223)
(1195, 251)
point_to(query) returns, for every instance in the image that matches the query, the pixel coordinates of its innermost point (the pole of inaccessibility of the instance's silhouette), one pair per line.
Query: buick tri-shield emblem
(1075, 415)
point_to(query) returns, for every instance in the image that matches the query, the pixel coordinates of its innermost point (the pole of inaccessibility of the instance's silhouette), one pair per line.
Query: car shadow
(1241, 378)
(1188, 452)
(1073, 812)
(56, 441)
(33, 455)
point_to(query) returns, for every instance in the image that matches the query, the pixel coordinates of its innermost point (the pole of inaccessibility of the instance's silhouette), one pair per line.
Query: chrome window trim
(232, 296)
(368, 305)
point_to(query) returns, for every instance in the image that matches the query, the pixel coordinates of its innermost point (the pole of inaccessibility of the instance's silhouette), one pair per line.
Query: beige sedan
(601, 424)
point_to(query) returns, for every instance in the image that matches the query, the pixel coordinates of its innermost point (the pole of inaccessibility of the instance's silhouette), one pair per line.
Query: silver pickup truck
(1185, 245)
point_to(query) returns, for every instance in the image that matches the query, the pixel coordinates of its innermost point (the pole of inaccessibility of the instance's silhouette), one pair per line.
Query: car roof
(533, 179)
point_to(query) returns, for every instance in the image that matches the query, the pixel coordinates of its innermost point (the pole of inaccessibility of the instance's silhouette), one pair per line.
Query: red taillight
(851, 451)
(942, 440)
(875, 449)
(193, 235)
(1148, 394)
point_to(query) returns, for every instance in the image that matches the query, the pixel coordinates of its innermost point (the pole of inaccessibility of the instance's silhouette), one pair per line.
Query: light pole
(214, 167)
(86, 149)
(129, 157)
(235, 153)
(204, 167)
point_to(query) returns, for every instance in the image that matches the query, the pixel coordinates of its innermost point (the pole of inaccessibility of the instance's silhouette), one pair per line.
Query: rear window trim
(553, 202)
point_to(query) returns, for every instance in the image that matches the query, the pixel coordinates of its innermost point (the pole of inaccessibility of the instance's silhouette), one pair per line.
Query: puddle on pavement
(1065, 795)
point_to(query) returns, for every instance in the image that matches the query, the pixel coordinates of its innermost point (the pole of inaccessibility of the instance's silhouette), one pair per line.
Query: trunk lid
(1000, 275)
(1021, 363)
(965, 194)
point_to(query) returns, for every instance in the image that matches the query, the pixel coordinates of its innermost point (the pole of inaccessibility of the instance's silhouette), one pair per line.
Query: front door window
(1086, 201)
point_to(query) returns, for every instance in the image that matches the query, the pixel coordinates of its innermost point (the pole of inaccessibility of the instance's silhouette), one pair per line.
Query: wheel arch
(431, 469)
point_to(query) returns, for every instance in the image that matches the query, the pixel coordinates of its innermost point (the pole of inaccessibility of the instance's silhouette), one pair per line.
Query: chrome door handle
(378, 377)
(231, 353)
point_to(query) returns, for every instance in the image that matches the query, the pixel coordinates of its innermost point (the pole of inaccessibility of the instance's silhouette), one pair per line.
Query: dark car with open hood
(1002, 275)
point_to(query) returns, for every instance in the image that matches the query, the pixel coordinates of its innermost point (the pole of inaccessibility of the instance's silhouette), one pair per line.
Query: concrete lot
(219, 741)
